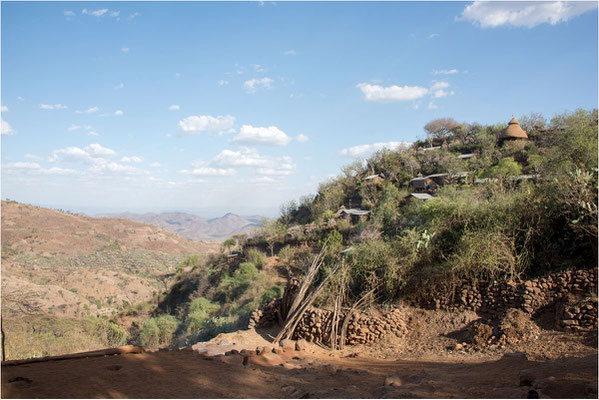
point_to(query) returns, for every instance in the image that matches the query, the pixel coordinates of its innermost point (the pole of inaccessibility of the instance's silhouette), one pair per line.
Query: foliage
(110, 333)
(158, 331)
(255, 257)
(505, 168)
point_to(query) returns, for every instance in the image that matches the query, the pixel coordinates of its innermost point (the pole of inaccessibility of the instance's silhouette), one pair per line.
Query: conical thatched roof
(513, 131)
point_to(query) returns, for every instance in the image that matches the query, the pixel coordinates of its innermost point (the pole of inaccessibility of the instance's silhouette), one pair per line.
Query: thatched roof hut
(513, 131)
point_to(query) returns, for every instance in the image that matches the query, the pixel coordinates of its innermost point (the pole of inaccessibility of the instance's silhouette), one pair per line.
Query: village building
(513, 132)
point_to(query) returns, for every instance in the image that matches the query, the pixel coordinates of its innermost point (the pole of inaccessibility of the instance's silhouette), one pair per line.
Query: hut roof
(421, 196)
(355, 211)
(513, 131)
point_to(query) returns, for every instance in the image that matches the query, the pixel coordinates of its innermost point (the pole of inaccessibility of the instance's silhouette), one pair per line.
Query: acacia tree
(440, 129)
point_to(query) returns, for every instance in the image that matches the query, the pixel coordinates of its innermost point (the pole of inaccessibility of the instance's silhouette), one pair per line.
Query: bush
(255, 257)
(149, 334)
(110, 333)
(200, 310)
(158, 331)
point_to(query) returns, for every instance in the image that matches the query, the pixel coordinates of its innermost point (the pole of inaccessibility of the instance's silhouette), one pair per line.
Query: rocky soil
(440, 356)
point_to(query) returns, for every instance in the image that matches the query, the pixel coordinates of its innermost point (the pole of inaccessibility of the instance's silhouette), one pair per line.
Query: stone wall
(572, 293)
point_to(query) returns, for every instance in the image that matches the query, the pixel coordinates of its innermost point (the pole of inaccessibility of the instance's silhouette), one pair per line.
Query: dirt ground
(423, 364)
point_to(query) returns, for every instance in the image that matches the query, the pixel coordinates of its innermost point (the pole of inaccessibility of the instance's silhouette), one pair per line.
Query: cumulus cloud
(119, 86)
(432, 106)
(366, 150)
(301, 138)
(222, 82)
(207, 171)
(4, 109)
(155, 164)
(68, 13)
(94, 153)
(391, 93)
(206, 123)
(118, 113)
(446, 71)
(262, 179)
(125, 49)
(74, 127)
(174, 107)
(269, 136)
(246, 157)
(52, 106)
(289, 52)
(5, 128)
(523, 14)
(92, 133)
(433, 35)
(252, 85)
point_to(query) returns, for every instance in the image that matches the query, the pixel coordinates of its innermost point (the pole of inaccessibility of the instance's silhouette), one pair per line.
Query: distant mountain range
(193, 227)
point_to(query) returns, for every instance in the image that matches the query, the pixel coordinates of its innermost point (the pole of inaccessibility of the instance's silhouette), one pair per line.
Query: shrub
(158, 331)
(255, 257)
(110, 333)
(149, 334)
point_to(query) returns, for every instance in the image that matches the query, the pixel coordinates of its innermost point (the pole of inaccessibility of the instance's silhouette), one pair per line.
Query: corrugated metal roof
(469, 155)
(438, 175)
(421, 196)
(355, 211)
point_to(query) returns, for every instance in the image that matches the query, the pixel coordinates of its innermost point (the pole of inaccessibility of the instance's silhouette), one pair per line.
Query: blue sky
(216, 107)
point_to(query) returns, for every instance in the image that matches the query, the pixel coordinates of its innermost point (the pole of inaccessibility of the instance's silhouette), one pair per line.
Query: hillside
(414, 225)
(194, 227)
(71, 266)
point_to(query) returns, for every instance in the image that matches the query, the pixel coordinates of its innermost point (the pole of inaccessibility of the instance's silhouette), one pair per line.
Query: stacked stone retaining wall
(572, 293)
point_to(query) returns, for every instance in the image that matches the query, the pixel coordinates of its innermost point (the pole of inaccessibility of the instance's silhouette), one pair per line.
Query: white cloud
(178, 75)
(269, 136)
(125, 49)
(155, 164)
(529, 14)
(366, 150)
(207, 171)
(438, 89)
(432, 106)
(301, 138)
(289, 52)
(96, 13)
(4, 109)
(222, 82)
(206, 123)
(33, 157)
(94, 154)
(134, 159)
(246, 157)
(88, 111)
(445, 71)
(252, 85)
(439, 85)
(68, 13)
(433, 35)
(118, 113)
(52, 106)
(92, 133)
(134, 15)
(119, 86)
(74, 127)
(114, 168)
(174, 107)
(115, 13)
(391, 93)
(5, 128)
(23, 165)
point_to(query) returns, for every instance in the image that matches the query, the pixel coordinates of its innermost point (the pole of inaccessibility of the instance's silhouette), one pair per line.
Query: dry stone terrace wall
(315, 326)
(573, 293)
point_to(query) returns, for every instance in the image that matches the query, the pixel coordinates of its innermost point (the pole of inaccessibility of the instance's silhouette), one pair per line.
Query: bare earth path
(307, 374)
